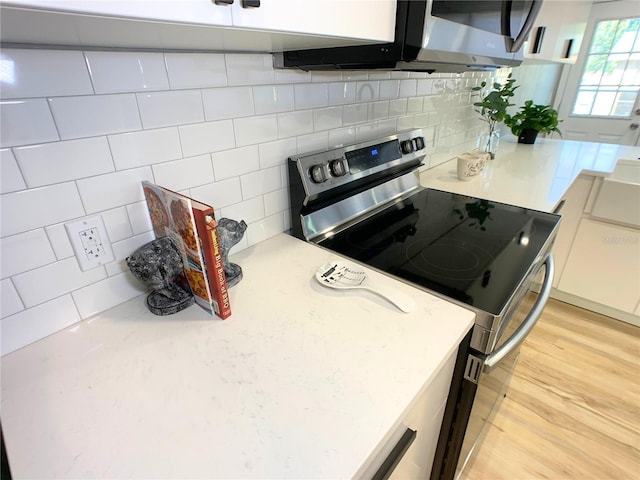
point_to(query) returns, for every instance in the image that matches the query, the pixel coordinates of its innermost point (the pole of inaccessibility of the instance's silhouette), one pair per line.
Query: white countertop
(532, 176)
(300, 382)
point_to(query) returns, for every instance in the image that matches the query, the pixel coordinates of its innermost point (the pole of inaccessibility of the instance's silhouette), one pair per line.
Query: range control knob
(318, 174)
(406, 146)
(418, 142)
(338, 167)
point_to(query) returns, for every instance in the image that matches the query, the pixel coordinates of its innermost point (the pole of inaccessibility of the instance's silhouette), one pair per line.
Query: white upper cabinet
(224, 25)
(363, 19)
(558, 31)
(202, 12)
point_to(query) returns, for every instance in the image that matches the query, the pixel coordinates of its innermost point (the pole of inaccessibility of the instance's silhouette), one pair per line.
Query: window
(611, 77)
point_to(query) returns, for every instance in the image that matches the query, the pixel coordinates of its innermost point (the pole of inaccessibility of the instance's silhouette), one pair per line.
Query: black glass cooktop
(471, 250)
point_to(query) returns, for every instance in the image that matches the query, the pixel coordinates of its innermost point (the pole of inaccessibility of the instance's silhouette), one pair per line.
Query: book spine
(221, 281)
(208, 235)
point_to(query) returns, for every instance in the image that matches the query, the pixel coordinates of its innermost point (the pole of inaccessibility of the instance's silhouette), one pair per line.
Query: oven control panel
(323, 171)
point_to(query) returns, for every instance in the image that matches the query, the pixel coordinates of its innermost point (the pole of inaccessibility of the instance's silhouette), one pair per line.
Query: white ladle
(343, 277)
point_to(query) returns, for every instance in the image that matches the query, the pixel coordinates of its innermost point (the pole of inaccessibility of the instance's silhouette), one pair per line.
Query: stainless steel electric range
(365, 202)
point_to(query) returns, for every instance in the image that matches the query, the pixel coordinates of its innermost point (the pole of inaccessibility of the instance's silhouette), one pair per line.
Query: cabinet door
(359, 19)
(575, 201)
(564, 23)
(203, 12)
(604, 265)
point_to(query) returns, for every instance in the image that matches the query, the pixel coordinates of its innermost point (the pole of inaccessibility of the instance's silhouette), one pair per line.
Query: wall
(80, 130)
(537, 81)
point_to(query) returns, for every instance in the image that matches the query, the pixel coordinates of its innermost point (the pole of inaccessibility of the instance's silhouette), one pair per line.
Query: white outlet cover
(90, 242)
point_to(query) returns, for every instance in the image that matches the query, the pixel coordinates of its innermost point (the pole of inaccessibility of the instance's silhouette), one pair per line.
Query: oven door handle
(527, 325)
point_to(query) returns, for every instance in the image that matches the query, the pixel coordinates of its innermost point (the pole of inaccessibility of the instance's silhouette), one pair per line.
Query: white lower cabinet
(604, 265)
(572, 210)
(425, 418)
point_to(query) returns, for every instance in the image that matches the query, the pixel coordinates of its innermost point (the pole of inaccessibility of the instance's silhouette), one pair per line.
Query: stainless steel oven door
(493, 372)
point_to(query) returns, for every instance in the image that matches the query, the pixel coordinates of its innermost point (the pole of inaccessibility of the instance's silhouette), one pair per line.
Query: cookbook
(192, 226)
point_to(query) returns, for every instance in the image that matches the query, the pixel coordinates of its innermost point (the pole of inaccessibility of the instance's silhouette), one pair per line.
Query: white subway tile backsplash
(327, 118)
(354, 75)
(139, 217)
(367, 91)
(26, 121)
(320, 76)
(292, 76)
(10, 175)
(387, 127)
(30, 209)
(366, 132)
(195, 70)
(219, 194)
(378, 110)
(313, 142)
(146, 147)
(354, 113)
(276, 153)
(95, 115)
(41, 73)
(206, 137)
(260, 182)
(106, 294)
(311, 95)
(264, 229)
(249, 69)
(163, 109)
(389, 89)
(38, 322)
(421, 120)
(113, 190)
(250, 210)
(276, 201)
(58, 162)
(10, 302)
(414, 105)
(424, 87)
(120, 72)
(214, 126)
(273, 98)
(54, 280)
(184, 173)
(397, 107)
(291, 124)
(379, 75)
(431, 104)
(223, 103)
(342, 136)
(408, 88)
(116, 221)
(25, 251)
(284, 176)
(59, 240)
(232, 163)
(254, 130)
(342, 92)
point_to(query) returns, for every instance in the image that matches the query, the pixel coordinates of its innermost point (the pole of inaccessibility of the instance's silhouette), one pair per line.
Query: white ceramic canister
(470, 165)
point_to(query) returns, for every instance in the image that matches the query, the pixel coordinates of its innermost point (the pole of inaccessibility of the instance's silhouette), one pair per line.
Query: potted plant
(532, 119)
(493, 109)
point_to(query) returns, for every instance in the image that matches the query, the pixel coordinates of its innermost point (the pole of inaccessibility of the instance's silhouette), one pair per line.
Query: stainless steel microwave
(435, 36)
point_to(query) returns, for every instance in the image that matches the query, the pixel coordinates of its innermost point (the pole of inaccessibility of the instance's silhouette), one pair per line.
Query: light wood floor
(572, 410)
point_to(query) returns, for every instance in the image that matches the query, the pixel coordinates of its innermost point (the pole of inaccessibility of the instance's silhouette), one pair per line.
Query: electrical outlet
(90, 242)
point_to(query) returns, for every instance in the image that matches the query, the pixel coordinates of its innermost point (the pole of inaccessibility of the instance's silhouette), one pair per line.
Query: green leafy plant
(493, 107)
(541, 118)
